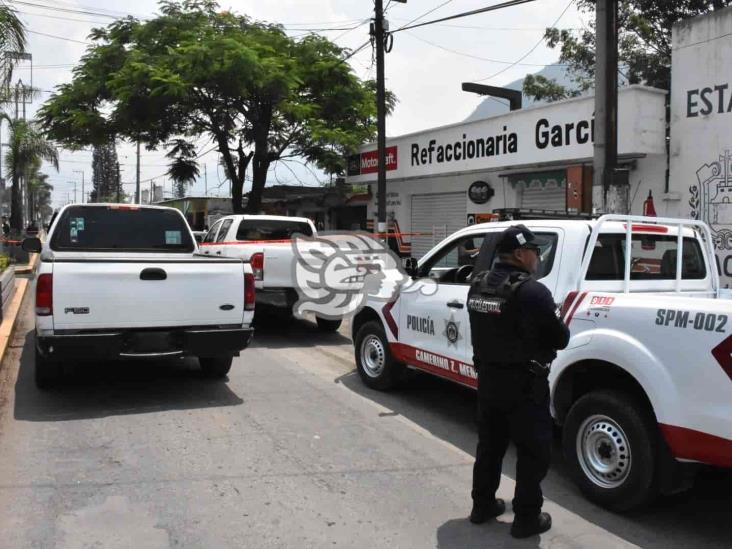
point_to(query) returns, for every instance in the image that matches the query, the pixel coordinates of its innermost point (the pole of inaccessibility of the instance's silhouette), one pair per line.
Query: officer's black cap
(518, 236)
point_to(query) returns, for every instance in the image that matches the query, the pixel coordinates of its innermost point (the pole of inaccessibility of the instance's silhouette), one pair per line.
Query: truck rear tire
(47, 371)
(610, 441)
(325, 325)
(215, 367)
(374, 361)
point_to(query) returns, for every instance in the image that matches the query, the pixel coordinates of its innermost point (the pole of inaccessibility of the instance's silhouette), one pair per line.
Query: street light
(82, 185)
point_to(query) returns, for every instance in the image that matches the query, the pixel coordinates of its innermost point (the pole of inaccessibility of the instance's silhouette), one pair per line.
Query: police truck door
(433, 325)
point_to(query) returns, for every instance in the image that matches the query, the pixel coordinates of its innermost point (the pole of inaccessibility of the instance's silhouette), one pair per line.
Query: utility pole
(119, 185)
(137, 187)
(610, 187)
(205, 181)
(82, 185)
(74, 182)
(378, 36)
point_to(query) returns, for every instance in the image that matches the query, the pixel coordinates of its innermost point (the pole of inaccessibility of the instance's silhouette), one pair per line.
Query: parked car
(124, 282)
(643, 391)
(266, 242)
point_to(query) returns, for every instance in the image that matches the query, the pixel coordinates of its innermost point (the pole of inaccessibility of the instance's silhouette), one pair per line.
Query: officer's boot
(525, 527)
(482, 513)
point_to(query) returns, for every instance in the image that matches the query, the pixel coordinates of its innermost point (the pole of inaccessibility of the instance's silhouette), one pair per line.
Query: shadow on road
(695, 518)
(273, 332)
(461, 534)
(116, 388)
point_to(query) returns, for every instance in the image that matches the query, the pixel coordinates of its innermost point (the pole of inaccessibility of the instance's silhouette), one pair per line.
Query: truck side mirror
(410, 266)
(32, 245)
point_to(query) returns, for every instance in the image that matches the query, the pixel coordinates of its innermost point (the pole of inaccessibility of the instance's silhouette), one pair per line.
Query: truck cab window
(224, 230)
(653, 257)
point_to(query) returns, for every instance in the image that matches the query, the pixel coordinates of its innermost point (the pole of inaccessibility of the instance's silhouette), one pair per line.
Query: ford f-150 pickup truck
(120, 281)
(266, 242)
(643, 391)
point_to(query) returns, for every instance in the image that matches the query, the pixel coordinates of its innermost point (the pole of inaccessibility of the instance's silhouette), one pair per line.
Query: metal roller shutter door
(542, 191)
(438, 215)
(544, 199)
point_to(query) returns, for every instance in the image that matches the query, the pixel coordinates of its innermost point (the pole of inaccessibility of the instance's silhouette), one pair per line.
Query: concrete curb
(8, 324)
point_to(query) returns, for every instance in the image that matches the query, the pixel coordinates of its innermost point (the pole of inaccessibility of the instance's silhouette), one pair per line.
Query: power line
(507, 4)
(58, 37)
(528, 52)
(66, 10)
(478, 57)
(425, 15)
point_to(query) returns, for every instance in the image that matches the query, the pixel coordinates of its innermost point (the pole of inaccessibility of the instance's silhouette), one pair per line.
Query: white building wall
(701, 117)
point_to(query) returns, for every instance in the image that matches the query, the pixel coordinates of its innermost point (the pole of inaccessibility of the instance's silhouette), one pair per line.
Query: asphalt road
(292, 451)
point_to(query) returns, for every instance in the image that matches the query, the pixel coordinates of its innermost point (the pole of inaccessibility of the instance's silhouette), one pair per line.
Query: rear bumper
(145, 344)
(280, 298)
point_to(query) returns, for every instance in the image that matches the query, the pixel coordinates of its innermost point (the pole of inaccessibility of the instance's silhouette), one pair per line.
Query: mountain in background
(493, 106)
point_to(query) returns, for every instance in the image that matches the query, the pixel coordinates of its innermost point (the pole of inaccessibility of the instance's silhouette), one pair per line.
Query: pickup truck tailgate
(131, 293)
(279, 268)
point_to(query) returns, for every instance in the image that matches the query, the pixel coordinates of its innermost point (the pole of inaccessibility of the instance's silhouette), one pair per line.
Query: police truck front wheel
(610, 443)
(374, 360)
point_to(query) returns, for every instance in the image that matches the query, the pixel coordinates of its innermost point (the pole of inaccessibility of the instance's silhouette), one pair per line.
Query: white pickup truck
(643, 391)
(265, 241)
(121, 281)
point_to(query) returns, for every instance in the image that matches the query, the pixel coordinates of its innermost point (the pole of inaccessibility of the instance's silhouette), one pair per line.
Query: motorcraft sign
(560, 131)
(368, 162)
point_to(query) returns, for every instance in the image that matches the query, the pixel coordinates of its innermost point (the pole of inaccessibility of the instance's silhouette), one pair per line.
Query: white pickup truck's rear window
(653, 257)
(271, 229)
(105, 228)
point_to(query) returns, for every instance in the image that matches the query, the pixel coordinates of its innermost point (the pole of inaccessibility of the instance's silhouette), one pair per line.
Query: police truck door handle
(455, 304)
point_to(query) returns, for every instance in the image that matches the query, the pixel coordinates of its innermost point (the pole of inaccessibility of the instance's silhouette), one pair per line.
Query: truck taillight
(249, 292)
(257, 263)
(44, 295)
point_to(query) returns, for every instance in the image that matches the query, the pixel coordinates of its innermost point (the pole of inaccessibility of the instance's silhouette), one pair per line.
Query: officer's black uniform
(515, 333)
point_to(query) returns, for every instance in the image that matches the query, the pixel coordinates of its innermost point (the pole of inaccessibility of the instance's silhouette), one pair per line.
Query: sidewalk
(21, 285)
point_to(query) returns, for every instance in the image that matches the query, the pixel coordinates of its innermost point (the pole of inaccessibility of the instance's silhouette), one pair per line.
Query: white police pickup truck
(643, 391)
(119, 281)
(265, 241)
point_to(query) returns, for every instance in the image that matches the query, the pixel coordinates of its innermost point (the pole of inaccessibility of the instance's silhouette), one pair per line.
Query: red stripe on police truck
(697, 446)
(577, 303)
(442, 366)
(722, 353)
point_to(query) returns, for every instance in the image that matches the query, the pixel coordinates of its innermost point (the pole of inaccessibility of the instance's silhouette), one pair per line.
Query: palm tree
(12, 41)
(26, 146)
(183, 169)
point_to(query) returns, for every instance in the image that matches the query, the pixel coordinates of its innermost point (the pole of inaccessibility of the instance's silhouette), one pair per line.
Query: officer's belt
(508, 365)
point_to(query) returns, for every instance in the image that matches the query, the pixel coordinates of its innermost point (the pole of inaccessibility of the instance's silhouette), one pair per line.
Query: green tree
(27, 146)
(183, 169)
(644, 45)
(12, 40)
(258, 94)
(105, 173)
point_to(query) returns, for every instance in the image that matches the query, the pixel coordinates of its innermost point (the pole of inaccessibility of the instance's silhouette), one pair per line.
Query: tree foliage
(26, 147)
(183, 169)
(12, 40)
(260, 95)
(644, 45)
(106, 184)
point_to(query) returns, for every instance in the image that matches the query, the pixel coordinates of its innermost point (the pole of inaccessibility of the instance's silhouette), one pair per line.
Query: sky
(425, 68)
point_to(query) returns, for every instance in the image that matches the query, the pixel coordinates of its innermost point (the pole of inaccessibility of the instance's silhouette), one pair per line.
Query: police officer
(515, 333)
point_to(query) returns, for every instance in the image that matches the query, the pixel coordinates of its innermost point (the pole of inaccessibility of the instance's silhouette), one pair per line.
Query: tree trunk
(259, 179)
(16, 207)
